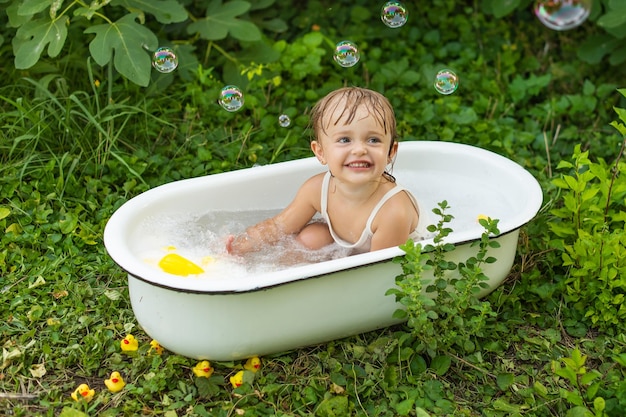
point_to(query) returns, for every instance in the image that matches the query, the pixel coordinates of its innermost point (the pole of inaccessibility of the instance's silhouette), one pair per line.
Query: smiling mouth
(359, 165)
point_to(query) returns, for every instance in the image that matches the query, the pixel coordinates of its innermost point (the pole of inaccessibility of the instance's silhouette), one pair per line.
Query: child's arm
(289, 221)
(394, 223)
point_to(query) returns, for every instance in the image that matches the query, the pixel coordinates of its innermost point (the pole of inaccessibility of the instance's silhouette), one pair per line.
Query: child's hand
(229, 244)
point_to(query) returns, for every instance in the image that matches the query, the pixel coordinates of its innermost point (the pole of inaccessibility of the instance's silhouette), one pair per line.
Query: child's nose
(359, 148)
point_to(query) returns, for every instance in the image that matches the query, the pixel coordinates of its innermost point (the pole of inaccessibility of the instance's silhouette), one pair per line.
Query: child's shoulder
(400, 202)
(315, 181)
(312, 187)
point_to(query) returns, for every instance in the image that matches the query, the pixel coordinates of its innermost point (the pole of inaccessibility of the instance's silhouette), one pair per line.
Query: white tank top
(365, 241)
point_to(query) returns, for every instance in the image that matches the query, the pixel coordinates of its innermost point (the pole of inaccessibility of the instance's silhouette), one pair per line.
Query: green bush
(589, 230)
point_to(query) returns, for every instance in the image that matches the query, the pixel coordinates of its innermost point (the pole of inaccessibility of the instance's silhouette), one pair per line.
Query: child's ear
(392, 151)
(317, 149)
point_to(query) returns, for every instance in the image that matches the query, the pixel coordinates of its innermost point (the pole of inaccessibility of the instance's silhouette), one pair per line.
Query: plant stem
(615, 172)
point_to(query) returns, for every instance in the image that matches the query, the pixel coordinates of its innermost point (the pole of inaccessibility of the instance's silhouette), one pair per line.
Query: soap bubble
(231, 98)
(346, 54)
(284, 120)
(394, 14)
(562, 14)
(446, 82)
(164, 60)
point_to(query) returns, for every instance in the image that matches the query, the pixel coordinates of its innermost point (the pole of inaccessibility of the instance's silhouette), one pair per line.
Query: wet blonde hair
(351, 98)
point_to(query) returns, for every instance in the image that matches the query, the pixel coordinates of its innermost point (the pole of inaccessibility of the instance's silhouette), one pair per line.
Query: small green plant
(444, 312)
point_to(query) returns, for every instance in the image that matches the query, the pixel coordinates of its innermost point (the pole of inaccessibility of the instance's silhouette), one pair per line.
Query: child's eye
(344, 139)
(374, 140)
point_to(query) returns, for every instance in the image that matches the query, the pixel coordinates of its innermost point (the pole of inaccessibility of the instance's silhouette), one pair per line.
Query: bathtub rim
(287, 282)
(135, 268)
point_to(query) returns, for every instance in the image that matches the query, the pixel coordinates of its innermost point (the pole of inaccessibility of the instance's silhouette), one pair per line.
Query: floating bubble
(284, 120)
(394, 14)
(562, 14)
(346, 54)
(164, 60)
(231, 98)
(446, 82)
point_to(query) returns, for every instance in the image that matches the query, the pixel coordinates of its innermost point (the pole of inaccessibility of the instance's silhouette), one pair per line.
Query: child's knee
(315, 236)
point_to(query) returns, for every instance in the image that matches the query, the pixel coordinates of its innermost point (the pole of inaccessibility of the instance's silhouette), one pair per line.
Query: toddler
(362, 207)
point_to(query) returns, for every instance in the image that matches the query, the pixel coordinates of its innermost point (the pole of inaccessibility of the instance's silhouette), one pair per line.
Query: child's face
(356, 152)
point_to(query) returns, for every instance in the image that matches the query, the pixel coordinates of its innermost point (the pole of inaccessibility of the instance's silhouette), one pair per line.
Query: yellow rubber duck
(155, 347)
(83, 392)
(115, 383)
(129, 343)
(253, 364)
(237, 379)
(172, 263)
(203, 369)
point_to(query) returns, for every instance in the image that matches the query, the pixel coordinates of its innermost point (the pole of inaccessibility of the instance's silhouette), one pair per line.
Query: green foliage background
(86, 124)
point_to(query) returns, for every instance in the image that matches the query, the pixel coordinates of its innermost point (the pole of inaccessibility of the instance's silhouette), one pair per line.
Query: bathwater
(201, 239)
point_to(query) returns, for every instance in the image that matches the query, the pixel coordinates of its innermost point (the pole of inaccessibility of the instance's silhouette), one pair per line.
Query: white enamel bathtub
(221, 318)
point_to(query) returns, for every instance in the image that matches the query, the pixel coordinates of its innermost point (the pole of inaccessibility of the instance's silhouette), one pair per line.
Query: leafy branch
(41, 26)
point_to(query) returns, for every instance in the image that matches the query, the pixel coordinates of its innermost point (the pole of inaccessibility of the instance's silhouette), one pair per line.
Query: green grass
(77, 141)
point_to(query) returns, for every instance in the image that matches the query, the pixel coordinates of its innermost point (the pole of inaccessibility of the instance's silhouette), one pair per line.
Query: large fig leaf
(31, 7)
(221, 19)
(124, 40)
(32, 37)
(165, 11)
(15, 19)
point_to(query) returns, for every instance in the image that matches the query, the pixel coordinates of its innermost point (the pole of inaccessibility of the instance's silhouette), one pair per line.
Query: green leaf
(612, 19)
(275, 25)
(592, 390)
(502, 8)
(599, 404)
(165, 11)
(440, 364)
(16, 19)
(505, 380)
(391, 376)
(403, 408)
(595, 47)
(621, 113)
(31, 7)
(71, 412)
(400, 314)
(567, 373)
(540, 389)
(579, 411)
(124, 40)
(333, 406)
(420, 412)
(4, 212)
(619, 126)
(620, 359)
(222, 19)
(587, 378)
(68, 223)
(32, 37)
(503, 405)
